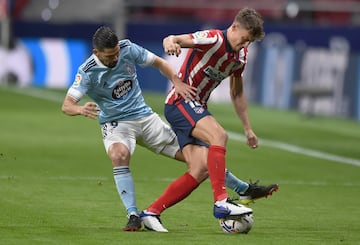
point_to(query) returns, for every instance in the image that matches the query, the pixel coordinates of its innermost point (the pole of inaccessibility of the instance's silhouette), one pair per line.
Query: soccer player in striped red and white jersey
(213, 55)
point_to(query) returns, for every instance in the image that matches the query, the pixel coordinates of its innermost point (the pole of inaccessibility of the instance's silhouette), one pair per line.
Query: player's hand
(252, 139)
(171, 47)
(90, 109)
(186, 91)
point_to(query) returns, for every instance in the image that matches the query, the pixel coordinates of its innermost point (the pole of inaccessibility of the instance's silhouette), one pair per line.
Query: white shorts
(150, 132)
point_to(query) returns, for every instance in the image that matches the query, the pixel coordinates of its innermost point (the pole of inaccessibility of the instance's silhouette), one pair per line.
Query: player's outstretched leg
(255, 191)
(226, 208)
(152, 221)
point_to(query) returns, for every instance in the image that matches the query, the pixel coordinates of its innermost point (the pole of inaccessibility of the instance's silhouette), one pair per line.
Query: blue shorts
(183, 117)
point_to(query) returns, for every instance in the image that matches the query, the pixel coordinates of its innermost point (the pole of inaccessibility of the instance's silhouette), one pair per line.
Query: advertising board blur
(313, 69)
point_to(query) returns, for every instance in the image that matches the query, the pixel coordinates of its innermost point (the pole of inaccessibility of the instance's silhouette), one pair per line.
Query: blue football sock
(125, 187)
(234, 183)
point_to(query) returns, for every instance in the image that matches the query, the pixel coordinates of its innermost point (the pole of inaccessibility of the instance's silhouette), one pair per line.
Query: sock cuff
(191, 180)
(121, 170)
(217, 148)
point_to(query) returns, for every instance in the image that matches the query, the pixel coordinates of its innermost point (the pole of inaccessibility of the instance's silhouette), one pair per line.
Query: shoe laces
(253, 183)
(231, 200)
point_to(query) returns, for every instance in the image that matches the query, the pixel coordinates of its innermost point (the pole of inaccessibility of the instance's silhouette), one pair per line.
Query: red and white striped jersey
(208, 63)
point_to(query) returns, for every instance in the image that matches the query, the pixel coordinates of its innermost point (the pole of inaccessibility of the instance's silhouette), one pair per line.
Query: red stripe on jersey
(210, 62)
(187, 116)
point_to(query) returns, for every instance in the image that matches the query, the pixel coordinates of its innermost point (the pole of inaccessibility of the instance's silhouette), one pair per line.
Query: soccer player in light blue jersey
(109, 78)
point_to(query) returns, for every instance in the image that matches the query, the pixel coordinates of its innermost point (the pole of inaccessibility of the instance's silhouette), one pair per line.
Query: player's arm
(172, 44)
(168, 71)
(71, 107)
(238, 99)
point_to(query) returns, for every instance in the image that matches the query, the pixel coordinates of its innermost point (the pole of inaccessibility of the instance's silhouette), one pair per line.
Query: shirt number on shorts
(108, 128)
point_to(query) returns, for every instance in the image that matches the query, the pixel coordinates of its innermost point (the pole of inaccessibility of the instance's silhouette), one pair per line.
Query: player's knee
(179, 156)
(203, 176)
(219, 137)
(199, 175)
(119, 155)
(198, 170)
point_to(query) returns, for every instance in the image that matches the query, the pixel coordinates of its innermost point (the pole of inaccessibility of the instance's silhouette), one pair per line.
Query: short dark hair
(251, 21)
(104, 37)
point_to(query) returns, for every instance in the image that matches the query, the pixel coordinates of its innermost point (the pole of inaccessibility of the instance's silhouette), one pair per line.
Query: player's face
(109, 56)
(239, 37)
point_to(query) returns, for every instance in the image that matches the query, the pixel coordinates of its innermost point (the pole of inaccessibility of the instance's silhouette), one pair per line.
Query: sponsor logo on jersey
(77, 81)
(215, 74)
(122, 88)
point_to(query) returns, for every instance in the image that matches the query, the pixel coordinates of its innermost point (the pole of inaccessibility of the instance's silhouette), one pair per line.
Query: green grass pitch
(56, 184)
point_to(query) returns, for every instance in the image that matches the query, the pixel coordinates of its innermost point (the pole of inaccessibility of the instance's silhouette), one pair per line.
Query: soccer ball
(241, 224)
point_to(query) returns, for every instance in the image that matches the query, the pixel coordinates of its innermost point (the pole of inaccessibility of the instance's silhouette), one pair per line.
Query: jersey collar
(228, 47)
(230, 50)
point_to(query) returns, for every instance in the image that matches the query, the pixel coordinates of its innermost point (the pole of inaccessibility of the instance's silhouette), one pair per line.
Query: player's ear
(95, 51)
(234, 26)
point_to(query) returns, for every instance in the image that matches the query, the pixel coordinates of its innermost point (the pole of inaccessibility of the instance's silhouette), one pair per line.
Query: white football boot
(226, 208)
(152, 221)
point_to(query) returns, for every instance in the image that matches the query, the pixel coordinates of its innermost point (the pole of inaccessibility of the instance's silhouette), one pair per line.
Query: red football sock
(216, 168)
(178, 190)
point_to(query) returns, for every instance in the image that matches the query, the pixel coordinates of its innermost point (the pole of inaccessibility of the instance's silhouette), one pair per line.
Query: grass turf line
(57, 187)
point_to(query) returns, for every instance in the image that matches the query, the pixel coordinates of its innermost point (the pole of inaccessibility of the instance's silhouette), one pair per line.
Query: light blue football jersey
(115, 90)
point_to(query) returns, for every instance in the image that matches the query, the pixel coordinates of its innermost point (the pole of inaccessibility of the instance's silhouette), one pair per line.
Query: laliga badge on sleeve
(77, 81)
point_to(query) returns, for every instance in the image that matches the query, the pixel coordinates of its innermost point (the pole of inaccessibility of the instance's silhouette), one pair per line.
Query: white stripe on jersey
(206, 57)
(171, 93)
(205, 60)
(76, 94)
(211, 64)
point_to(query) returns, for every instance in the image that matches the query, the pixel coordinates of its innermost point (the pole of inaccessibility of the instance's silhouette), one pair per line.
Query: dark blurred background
(308, 61)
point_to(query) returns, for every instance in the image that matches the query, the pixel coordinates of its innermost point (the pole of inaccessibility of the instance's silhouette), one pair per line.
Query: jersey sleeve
(80, 85)
(142, 56)
(204, 37)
